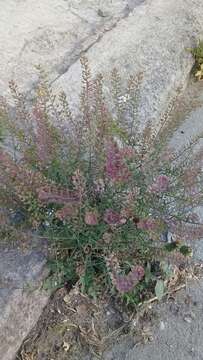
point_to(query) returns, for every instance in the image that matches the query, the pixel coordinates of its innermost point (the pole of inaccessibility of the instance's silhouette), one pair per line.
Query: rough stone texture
(133, 35)
(153, 38)
(189, 115)
(52, 33)
(21, 301)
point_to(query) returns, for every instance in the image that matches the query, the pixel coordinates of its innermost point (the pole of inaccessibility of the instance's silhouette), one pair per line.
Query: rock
(162, 325)
(114, 317)
(188, 320)
(132, 35)
(120, 350)
(52, 34)
(153, 39)
(21, 300)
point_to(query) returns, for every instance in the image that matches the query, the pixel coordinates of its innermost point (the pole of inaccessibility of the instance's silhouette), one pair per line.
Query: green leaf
(185, 250)
(159, 289)
(171, 246)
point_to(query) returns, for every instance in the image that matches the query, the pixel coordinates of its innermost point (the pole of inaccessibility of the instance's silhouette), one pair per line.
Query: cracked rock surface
(21, 300)
(152, 39)
(52, 34)
(149, 36)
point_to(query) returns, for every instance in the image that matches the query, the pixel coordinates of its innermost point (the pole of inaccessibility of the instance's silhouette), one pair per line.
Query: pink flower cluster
(66, 213)
(52, 194)
(111, 217)
(116, 169)
(126, 283)
(161, 184)
(91, 217)
(128, 152)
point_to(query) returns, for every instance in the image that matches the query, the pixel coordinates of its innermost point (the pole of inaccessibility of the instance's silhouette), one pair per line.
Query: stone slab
(153, 38)
(51, 33)
(21, 299)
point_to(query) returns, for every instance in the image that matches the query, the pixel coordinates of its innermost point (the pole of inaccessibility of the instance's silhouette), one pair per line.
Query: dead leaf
(66, 346)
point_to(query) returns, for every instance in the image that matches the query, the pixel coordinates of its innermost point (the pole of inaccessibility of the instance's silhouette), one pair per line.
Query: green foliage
(186, 250)
(105, 205)
(197, 52)
(171, 246)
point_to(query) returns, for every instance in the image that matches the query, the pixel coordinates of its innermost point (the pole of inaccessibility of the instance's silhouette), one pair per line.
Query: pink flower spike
(126, 283)
(116, 168)
(123, 284)
(137, 273)
(111, 217)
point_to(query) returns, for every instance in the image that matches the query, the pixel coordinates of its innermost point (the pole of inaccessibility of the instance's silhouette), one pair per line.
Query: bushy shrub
(98, 186)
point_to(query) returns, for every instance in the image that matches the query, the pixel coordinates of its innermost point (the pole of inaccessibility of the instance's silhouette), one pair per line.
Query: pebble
(187, 319)
(162, 325)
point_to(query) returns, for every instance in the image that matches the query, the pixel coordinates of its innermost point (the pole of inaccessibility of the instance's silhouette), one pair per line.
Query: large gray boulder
(51, 33)
(21, 300)
(154, 38)
(151, 36)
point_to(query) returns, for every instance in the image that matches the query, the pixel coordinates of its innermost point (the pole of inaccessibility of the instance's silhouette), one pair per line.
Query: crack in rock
(108, 26)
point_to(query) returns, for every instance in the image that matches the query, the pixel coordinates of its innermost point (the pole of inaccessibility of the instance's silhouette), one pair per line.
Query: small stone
(192, 315)
(187, 319)
(102, 13)
(66, 299)
(66, 346)
(162, 325)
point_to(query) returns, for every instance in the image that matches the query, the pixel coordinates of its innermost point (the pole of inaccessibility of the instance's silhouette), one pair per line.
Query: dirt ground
(74, 327)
